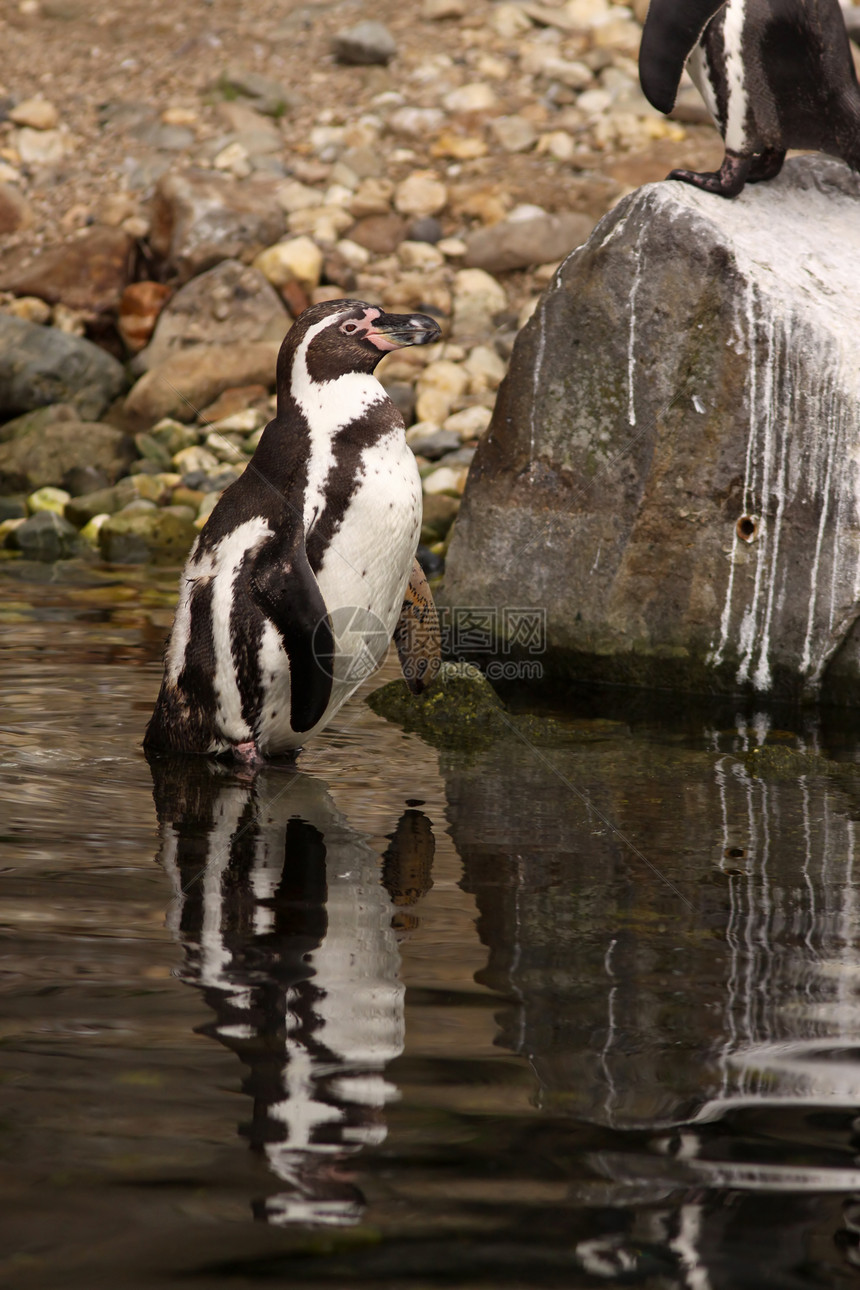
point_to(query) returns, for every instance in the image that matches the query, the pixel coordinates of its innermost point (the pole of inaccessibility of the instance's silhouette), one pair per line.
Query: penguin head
(340, 336)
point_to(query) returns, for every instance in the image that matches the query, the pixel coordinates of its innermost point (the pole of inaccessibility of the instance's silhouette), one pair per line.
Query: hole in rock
(747, 528)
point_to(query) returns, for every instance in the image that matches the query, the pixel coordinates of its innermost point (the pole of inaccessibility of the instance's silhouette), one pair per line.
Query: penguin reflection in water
(290, 928)
(306, 568)
(774, 74)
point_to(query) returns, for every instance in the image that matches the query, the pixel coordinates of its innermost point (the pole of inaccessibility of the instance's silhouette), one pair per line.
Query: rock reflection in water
(695, 994)
(289, 921)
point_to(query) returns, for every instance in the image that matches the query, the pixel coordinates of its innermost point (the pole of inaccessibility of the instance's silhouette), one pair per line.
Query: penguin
(294, 588)
(774, 74)
(291, 930)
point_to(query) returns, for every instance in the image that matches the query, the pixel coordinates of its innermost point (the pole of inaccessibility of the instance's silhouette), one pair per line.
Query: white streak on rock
(803, 395)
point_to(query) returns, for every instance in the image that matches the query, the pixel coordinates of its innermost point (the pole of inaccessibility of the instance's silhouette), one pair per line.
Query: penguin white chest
(368, 562)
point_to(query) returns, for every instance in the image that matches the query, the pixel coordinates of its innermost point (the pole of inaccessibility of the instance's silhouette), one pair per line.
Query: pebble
(486, 369)
(513, 133)
(438, 388)
(40, 147)
(366, 43)
(422, 193)
(46, 536)
(475, 97)
(298, 260)
(468, 423)
(478, 297)
(189, 460)
(38, 114)
(372, 197)
(439, 10)
(30, 308)
(293, 195)
(445, 479)
(419, 255)
(48, 499)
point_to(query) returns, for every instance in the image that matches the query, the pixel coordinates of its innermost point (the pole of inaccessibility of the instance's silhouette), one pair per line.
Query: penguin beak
(396, 331)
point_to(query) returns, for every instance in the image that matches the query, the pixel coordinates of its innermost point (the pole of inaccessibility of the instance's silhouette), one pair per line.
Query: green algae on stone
(461, 710)
(773, 761)
(139, 538)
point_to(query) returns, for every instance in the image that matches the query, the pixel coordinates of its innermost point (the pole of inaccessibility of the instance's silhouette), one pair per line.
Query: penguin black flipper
(672, 30)
(286, 590)
(417, 636)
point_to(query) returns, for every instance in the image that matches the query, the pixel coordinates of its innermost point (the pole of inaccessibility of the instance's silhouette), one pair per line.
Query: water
(576, 1015)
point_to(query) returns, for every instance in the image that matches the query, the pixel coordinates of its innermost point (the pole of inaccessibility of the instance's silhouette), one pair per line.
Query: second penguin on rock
(292, 592)
(774, 74)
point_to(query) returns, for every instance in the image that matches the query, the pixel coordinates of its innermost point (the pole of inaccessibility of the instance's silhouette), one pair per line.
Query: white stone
(513, 133)
(475, 97)
(438, 388)
(244, 422)
(223, 448)
(415, 122)
(468, 423)
(357, 257)
(40, 147)
(594, 102)
(557, 144)
(477, 297)
(293, 196)
(234, 159)
(453, 248)
(447, 479)
(419, 255)
(323, 224)
(508, 21)
(486, 369)
(71, 321)
(189, 460)
(422, 193)
(30, 308)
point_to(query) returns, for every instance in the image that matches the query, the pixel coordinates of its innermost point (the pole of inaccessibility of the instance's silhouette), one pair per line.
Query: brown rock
(231, 401)
(380, 234)
(182, 385)
(295, 297)
(139, 307)
(15, 212)
(231, 303)
(88, 273)
(199, 219)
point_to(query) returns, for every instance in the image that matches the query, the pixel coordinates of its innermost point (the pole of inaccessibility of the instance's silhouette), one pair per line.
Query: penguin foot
(248, 753)
(766, 165)
(728, 181)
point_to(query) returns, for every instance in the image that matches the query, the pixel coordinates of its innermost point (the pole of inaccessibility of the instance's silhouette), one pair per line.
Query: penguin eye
(350, 328)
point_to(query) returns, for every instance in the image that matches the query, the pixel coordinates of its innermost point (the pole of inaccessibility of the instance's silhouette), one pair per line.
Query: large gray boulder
(673, 465)
(41, 365)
